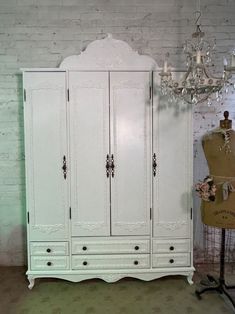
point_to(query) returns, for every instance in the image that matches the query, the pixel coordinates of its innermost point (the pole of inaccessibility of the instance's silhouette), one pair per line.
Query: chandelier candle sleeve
(233, 60)
(165, 66)
(198, 56)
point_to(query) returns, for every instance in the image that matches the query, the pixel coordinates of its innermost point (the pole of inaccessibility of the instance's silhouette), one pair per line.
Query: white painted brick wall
(40, 33)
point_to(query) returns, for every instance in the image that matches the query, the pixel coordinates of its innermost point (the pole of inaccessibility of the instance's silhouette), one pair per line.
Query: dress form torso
(220, 162)
(220, 155)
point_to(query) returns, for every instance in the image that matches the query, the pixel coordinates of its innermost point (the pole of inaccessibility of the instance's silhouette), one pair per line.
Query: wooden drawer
(110, 261)
(171, 260)
(49, 262)
(171, 245)
(49, 248)
(110, 246)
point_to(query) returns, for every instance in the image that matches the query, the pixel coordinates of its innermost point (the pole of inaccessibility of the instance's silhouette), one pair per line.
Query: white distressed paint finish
(171, 260)
(107, 245)
(111, 275)
(49, 248)
(171, 245)
(118, 56)
(172, 185)
(89, 131)
(46, 144)
(112, 261)
(131, 147)
(46, 264)
(111, 111)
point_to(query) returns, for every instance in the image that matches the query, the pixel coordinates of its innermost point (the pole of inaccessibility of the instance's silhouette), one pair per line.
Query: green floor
(171, 295)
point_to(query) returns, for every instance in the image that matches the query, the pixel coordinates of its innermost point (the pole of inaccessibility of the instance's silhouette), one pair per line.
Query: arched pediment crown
(109, 54)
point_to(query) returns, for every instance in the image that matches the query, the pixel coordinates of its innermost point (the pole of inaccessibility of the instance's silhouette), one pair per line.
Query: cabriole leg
(190, 278)
(31, 282)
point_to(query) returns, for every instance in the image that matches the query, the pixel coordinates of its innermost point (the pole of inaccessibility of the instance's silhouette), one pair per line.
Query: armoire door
(172, 182)
(89, 146)
(46, 153)
(130, 120)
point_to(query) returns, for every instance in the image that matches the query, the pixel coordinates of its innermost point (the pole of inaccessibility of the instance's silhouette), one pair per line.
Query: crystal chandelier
(197, 84)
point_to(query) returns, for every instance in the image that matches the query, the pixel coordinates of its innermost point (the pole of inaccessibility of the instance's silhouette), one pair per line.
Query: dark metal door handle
(64, 167)
(154, 164)
(112, 166)
(107, 166)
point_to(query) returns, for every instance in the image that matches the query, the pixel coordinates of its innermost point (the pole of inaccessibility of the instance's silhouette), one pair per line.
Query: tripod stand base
(211, 284)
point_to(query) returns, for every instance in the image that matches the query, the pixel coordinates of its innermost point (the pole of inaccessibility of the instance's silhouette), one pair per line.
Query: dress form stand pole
(214, 284)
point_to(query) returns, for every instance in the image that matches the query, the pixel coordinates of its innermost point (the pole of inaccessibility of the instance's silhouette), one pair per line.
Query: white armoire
(108, 169)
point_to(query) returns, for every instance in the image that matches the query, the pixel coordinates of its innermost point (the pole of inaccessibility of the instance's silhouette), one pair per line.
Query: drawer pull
(49, 263)
(136, 262)
(137, 247)
(171, 261)
(48, 250)
(84, 263)
(84, 248)
(172, 248)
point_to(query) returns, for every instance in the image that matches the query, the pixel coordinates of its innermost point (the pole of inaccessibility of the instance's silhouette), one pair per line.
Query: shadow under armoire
(108, 169)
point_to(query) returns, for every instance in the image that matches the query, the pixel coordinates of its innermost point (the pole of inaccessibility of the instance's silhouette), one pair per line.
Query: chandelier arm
(185, 100)
(187, 73)
(205, 70)
(210, 75)
(205, 98)
(199, 101)
(229, 76)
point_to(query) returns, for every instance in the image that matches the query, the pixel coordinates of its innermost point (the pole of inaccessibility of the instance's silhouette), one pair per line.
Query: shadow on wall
(13, 226)
(16, 253)
(21, 230)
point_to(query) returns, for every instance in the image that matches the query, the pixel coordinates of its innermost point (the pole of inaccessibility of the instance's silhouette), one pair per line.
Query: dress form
(219, 149)
(221, 212)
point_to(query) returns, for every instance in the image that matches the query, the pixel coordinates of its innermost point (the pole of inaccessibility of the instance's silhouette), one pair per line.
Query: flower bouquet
(206, 190)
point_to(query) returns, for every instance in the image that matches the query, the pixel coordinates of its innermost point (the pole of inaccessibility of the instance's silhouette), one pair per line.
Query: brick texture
(40, 33)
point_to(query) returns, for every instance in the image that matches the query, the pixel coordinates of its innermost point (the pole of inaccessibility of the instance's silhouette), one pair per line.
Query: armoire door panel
(130, 145)
(89, 131)
(45, 143)
(172, 183)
